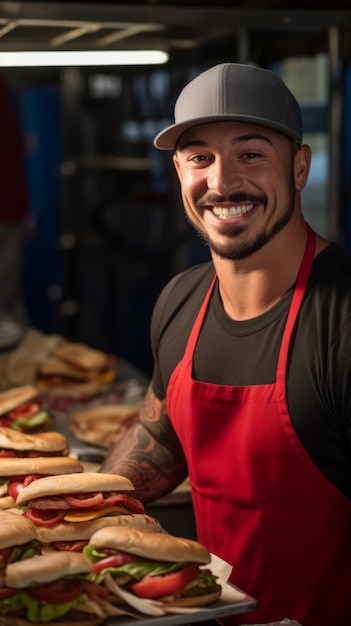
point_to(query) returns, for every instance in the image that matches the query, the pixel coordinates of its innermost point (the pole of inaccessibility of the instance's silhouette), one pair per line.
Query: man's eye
(198, 158)
(251, 155)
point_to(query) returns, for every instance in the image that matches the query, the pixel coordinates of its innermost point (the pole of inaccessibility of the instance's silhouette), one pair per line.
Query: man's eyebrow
(200, 143)
(250, 137)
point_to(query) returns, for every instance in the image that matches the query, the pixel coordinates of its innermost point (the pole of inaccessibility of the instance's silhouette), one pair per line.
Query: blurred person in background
(14, 220)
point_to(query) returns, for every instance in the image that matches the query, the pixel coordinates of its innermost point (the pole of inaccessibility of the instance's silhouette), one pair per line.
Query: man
(250, 391)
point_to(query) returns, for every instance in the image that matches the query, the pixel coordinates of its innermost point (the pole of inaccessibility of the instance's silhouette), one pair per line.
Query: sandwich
(73, 536)
(152, 566)
(18, 473)
(16, 444)
(76, 368)
(18, 539)
(51, 589)
(82, 356)
(103, 425)
(22, 409)
(77, 498)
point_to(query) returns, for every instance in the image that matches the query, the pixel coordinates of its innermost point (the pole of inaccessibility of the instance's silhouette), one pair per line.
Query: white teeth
(233, 211)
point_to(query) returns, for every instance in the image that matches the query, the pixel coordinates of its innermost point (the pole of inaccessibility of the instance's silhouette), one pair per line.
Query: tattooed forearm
(149, 454)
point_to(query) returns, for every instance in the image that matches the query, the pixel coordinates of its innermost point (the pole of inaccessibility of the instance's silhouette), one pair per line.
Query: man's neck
(251, 286)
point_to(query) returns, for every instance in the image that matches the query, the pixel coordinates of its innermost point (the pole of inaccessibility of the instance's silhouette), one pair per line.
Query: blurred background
(106, 227)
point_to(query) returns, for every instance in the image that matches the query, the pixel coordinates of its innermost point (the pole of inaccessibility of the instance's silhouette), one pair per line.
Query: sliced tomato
(8, 453)
(44, 518)
(5, 554)
(4, 421)
(57, 592)
(5, 592)
(30, 478)
(28, 409)
(85, 500)
(132, 504)
(13, 488)
(115, 560)
(158, 586)
(33, 454)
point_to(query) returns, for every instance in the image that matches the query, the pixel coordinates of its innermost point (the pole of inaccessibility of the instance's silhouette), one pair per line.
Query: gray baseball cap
(234, 92)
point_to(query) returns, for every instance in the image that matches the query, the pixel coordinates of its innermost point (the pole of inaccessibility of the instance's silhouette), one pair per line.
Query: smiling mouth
(232, 211)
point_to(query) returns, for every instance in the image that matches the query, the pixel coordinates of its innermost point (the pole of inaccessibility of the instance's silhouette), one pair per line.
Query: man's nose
(223, 176)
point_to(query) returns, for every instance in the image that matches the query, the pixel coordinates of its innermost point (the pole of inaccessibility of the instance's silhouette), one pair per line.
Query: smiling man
(250, 390)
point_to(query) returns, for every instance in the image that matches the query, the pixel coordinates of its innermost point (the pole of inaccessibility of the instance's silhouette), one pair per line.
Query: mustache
(234, 198)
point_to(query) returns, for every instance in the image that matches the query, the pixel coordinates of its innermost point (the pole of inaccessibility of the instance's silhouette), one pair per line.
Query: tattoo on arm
(150, 454)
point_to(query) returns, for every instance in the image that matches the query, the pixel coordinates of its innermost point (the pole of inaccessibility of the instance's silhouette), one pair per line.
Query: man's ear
(177, 166)
(302, 162)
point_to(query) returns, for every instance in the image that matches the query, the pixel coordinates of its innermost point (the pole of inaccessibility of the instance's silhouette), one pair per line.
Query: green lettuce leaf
(23, 552)
(30, 422)
(36, 612)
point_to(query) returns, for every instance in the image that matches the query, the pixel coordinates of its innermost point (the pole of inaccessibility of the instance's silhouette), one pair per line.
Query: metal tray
(222, 608)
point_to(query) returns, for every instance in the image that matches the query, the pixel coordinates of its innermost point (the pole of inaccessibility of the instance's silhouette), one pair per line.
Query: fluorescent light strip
(75, 58)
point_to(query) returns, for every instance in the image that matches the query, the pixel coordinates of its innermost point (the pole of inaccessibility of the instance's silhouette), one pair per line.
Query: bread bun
(87, 482)
(15, 530)
(48, 465)
(155, 546)
(14, 397)
(41, 442)
(46, 568)
(83, 356)
(55, 367)
(7, 502)
(84, 530)
(70, 389)
(103, 425)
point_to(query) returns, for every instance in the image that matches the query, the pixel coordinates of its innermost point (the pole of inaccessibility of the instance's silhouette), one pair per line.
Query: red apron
(260, 502)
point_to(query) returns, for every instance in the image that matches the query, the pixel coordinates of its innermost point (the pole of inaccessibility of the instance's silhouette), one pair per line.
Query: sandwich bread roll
(82, 356)
(15, 530)
(16, 443)
(87, 482)
(78, 498)
(16, 472)
(135, 563)
(21, 409)
(70, 532)
(12, 398)
(76, 370)
(54, 589)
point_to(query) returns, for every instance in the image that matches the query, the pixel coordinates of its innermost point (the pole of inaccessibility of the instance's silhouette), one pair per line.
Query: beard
(234, 251)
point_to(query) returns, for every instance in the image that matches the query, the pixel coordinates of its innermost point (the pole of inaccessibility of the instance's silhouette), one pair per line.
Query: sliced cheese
(84, 516)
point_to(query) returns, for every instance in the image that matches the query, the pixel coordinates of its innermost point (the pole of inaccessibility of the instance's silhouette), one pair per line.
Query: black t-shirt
(230, 352)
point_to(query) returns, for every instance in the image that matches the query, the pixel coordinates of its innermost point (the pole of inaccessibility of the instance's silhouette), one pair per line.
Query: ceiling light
(75, 58)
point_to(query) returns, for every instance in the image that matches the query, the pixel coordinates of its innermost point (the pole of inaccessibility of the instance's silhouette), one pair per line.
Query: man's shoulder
(183, 293)
(333, 265)
(191, 281)
(196, 275)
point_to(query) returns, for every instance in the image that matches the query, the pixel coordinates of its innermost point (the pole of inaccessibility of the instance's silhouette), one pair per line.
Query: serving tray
(227, 605)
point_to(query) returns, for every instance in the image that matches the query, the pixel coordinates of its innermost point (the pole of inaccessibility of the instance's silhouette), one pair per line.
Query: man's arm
(149, 454)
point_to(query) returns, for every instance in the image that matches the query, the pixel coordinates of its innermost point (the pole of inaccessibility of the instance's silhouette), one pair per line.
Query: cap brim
(168, 138)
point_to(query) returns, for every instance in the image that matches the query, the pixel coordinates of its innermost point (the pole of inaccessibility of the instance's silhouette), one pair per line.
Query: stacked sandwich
(76, 369)
(123, 569)
(52, 588)
(45, 576)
